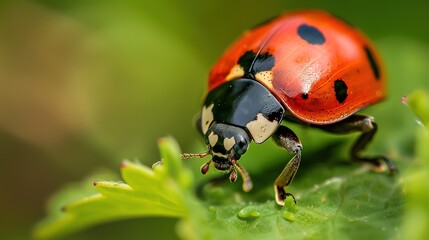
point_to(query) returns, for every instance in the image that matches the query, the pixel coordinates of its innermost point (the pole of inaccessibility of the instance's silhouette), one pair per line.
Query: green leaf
(333, 209)
(417, 215)
(338, 208)
(418, 102)
(149, 193)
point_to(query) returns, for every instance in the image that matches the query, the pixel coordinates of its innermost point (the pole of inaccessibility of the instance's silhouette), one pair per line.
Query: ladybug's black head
(226, 144)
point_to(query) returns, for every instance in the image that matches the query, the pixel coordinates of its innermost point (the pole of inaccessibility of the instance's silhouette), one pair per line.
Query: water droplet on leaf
(249, 213)
(289, 216)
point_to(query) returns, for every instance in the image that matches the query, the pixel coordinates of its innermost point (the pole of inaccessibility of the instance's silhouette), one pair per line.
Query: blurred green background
(86, 84)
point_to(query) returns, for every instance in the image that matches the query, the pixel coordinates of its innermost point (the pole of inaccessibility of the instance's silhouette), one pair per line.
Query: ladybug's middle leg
(285, 138)
(368, 128)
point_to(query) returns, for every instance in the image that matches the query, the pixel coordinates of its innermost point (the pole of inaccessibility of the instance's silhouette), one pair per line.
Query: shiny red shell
(319, 83)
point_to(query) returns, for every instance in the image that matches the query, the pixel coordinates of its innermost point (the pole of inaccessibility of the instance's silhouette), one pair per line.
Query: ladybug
(306, 67)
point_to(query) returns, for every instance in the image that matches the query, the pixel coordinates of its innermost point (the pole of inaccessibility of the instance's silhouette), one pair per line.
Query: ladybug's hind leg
(368, 128)
(285, 138)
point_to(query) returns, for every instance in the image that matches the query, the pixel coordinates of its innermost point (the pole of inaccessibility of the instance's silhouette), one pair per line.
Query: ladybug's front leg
(368, 128)
(285, 138)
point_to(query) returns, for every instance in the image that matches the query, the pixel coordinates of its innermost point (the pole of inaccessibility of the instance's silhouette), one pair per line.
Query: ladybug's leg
(368, 128)
(285, 138)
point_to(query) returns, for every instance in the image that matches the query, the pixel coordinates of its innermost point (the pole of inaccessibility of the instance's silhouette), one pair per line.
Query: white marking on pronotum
(228, 143)
(265, 77)
(213, 139)
(206, 117)
(261, 128)
(219, 155)
(236, 72)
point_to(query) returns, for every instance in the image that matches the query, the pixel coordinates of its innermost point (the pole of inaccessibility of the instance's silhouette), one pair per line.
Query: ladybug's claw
(281, 195)
(290, 195)
(392, 167)
(379, 164)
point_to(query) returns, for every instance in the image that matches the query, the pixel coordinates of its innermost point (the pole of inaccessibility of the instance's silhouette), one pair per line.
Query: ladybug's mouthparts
(226, 164)
(221, 163)
(247, 182)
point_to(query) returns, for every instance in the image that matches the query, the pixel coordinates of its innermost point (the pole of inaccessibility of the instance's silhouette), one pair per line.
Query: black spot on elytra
(304, 96)
(373, 63)
(252, 63)
(340, 88)
(311, 34)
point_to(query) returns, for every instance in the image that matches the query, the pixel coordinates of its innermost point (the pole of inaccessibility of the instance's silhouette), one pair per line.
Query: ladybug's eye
(241, 146)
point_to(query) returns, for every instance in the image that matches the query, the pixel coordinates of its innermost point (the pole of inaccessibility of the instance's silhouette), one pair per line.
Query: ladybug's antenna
(205, 167)
(247, 182)
(193, 155)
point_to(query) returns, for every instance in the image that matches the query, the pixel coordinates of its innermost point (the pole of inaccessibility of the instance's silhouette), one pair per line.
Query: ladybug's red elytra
(306, 67)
